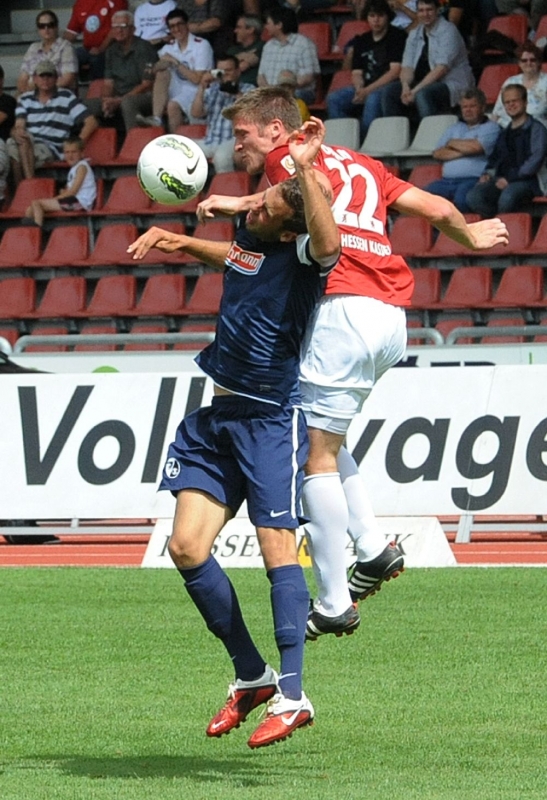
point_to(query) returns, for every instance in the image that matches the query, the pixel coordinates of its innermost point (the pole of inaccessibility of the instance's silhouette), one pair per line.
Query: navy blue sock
(290, 601)
(216, 600)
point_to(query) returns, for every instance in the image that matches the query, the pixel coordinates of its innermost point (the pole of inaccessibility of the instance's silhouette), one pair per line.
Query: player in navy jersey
(358, 333)
(251, 443)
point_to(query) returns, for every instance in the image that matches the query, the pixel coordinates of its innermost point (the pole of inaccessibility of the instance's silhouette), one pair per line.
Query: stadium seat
(206, 296)
(147, 327)
(538, 245)
(447, 324)
(386, 136)
(541, 29)
(195, 131)
(343, 132)
(195, 327)
(111, 247)
(469, 287)
(445, 247)
(10, 334)
(63, 298)
(519, 287)
(135, 140)
(515, 26)
(28, 190)
(423, 174)
(114, 296)
(20, 246)
(411, 237)
(492, 77)
(348, 31)
(17, 297)
(67, 245)
(95, 89)
(427, 136)
(92, 329)
(321, 35)
(156, 256)
(236, 184)
(497, 321)
(427, 288)
(340, 79)
(48, 330)
(126, 198)
(101, 147)
(519, 225)
(163, 295)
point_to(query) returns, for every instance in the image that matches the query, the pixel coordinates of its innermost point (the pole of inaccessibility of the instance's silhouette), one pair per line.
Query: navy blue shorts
(240, 449)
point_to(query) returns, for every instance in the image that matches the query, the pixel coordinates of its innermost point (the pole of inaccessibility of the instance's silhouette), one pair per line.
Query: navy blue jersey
(270, 291)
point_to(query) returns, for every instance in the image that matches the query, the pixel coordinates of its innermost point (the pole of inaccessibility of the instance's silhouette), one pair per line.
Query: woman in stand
(535, 81)
(50, 48)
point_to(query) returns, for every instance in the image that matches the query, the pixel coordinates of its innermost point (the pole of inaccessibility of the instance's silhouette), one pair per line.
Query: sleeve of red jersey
(393, 186)
(279, 165)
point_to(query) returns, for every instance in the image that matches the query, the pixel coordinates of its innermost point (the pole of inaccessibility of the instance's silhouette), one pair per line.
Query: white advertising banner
(432, 441)
(421, 539)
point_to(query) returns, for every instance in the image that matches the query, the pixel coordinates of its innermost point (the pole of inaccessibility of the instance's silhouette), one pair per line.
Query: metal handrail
(478, 332)
(113, 338)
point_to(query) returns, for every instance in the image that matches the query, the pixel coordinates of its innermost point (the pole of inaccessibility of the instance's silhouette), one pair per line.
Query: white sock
(325, 504)
(363, 526)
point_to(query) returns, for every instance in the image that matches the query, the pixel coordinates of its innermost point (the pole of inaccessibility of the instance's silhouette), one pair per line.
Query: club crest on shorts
(244, 260)
(172, 468)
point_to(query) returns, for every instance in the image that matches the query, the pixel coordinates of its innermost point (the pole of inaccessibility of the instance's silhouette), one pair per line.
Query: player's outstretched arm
(304, 146)
(226, 205)
(445, 216)
(212, 253)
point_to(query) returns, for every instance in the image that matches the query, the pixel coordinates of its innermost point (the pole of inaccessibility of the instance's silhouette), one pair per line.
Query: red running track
(128, 551)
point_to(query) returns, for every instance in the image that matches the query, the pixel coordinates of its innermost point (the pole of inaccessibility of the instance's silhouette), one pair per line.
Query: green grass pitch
(108, 678)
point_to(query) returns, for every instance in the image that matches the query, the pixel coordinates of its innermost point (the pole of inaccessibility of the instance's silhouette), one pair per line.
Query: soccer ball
(172, 169)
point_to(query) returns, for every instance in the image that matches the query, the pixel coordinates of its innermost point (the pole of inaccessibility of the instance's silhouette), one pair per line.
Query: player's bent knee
(186, 553)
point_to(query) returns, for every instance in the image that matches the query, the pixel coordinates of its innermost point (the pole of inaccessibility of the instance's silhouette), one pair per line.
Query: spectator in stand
(150, 21)
(93, 19)
(80, 192)
(405, 14)
(435, 68)
(533, 79)
(248, 46)
(208, 19)
(464, 149)
(515, 170)
(215, 93)
(287, 79)
(127, 88)
(288, 49)
(177, 74)
(50, 48)
(44, 118)
(375, 62)
(7, 110)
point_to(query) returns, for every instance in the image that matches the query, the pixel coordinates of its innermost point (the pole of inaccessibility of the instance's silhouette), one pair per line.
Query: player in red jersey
(358, 332)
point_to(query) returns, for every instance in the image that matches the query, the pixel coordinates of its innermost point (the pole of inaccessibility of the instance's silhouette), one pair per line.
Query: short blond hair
(261, 106)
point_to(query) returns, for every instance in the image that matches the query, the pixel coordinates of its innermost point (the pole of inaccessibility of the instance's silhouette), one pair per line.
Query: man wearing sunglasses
(50, 48)
(44, 118)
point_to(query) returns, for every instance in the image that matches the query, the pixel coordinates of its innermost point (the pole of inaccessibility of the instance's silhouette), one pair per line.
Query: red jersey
(93, 18)
(363, 189)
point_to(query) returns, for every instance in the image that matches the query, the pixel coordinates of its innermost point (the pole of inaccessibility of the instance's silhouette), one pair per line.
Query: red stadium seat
(498, 321)
(101, 147)
(195, 131)
(538, 245)
(321, 35)
(445, 247)
(147, 327)
(114, 296)
(447, 325)
(17, 298)
(20, 246)
(48, 330)
(348, 31)
(423, 174)
(427, 288)
(10, 334)
(111, 247)
(92, 329)
(195, 327)
(126, 198)
(340, 80)
(411, 237)
(514, 26)
(520, 287)
(519, 225)
(206, 296)
(492, 77)
(469, 287)
(236, 184)
(135, 140)
(64, 297)
(95, 89)
(28, 190)
(162, 295)
(67, 246)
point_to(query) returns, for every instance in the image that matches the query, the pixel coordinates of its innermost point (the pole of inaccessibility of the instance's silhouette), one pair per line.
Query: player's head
(279, 215)
(261, 120)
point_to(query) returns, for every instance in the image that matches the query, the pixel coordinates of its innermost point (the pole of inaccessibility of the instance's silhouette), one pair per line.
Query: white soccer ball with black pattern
(172, 169)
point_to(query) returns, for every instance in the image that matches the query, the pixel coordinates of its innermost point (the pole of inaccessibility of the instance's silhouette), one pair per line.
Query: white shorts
(350, 343)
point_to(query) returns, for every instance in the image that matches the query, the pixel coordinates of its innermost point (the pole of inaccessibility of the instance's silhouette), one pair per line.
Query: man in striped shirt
(44, 118)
